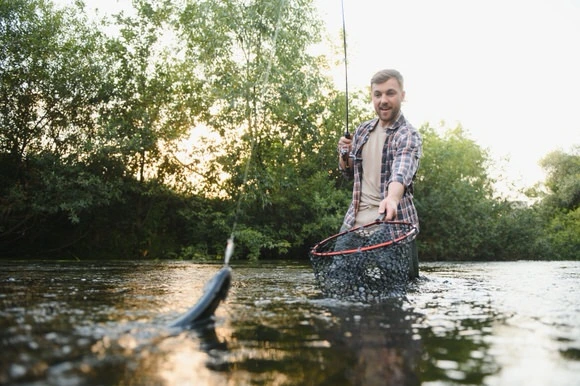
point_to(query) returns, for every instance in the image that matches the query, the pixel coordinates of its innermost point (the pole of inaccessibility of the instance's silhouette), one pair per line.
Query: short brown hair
(384, 75)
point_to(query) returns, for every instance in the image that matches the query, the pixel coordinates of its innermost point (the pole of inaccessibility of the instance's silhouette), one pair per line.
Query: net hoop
(318, 251)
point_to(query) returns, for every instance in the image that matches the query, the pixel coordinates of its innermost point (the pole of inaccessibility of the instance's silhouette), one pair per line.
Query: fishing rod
(344, 151)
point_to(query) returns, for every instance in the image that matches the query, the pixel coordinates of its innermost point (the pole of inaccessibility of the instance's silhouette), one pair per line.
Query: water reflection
(79, 323)
(192, 357)
(97, 324)
(282, 332)
(383, 346)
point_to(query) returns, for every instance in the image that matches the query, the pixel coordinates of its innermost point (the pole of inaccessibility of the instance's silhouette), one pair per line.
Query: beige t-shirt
(372, 154)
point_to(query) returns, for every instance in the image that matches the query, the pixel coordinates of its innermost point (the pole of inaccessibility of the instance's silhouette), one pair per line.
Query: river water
(105, 323)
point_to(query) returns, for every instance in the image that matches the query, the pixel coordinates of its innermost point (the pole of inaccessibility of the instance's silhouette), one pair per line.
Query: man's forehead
(390, 84)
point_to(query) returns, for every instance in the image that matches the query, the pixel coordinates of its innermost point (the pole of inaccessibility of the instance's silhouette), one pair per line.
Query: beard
(388, 116)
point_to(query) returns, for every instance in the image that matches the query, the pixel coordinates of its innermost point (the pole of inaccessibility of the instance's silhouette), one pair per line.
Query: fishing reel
(344, 154)
(344, 150)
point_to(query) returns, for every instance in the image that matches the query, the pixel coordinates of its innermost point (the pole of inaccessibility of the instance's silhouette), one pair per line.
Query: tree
(154, 97)
(50, 78)
(561, 204)
(83, 115)
(453, 196)
(563, 179)
(51, 86)
(267, 100)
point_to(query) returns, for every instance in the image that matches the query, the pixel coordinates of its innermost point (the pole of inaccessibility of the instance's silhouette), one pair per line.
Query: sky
(507, 70)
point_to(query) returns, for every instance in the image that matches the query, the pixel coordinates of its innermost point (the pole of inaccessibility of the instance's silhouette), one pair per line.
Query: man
(383, 158)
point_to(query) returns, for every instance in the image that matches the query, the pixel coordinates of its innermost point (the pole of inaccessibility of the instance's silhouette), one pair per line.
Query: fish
(215, 292)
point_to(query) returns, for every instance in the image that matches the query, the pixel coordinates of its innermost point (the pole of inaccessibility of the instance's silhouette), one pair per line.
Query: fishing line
(262, 83)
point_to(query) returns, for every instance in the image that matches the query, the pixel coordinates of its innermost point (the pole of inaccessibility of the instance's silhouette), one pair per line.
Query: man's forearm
(395, 191)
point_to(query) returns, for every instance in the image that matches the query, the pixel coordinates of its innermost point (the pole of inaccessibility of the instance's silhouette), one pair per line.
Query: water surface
(104, 323)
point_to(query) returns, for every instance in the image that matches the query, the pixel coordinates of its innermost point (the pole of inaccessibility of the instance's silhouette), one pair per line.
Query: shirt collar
(396, 124)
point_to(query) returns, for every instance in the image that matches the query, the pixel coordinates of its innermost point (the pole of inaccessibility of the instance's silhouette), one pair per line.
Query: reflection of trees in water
(460, 353)
(314, 344)
(381, 341)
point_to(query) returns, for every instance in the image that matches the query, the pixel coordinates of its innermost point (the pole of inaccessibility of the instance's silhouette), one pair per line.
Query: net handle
(408, 234)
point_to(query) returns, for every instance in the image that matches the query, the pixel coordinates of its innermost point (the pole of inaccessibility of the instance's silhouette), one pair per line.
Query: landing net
(368, 263)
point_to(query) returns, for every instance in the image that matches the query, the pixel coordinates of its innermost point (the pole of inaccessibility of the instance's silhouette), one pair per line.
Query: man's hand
(344, 149)
(389, 206)
(345, 143)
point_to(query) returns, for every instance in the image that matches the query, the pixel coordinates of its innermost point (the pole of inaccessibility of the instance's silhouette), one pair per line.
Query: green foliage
(515, 234)
(268, 99)
(561, 204)
(153, 99)
(563, 235)
(452, 191)
(459, 218)
(50, 80)
(92, 125)
(50, 89)
(563, 179)
(82, 115)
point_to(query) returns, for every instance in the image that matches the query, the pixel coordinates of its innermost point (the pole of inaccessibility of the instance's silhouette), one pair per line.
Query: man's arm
(404, 167)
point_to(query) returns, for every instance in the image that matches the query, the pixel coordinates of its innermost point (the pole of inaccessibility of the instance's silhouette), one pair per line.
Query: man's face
(387, 99)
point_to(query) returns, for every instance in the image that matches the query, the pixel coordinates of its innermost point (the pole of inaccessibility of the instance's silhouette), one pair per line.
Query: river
(105, 323)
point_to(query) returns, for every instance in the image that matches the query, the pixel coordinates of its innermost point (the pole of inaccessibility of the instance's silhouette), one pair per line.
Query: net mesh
(370, 263)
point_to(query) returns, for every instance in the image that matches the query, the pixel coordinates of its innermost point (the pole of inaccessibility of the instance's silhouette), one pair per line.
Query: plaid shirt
(400, 162)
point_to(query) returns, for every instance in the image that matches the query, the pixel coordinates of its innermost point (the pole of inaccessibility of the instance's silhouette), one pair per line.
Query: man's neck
(388, 125)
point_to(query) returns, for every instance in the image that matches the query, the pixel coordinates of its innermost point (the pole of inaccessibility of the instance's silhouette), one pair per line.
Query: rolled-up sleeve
(407, 153)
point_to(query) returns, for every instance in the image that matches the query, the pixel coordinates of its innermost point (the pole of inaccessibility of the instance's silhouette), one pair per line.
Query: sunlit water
(515, 323)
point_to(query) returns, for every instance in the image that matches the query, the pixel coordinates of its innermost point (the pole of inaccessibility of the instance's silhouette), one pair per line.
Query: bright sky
(507, 70)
